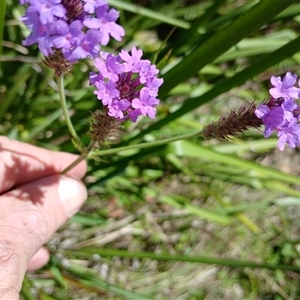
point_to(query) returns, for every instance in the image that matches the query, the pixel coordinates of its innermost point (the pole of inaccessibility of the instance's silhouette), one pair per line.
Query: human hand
(35, 201)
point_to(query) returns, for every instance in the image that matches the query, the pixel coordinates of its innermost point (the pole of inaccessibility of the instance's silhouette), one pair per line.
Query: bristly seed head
(58, 63)
(104, 128)
(233, 124)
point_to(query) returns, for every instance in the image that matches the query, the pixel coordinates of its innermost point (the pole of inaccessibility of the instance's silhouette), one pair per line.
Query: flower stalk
(82, 157)
(149, 144)
(89, 151)
(63, 104)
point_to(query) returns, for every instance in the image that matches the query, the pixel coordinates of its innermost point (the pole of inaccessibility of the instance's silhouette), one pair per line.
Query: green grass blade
(184, 39)
(206, 17)
(198, 211)
(291, 11)
(44, 296)
(252, 20)
(26, 287)
(58, 276)
(90, 279)
(87, 220)
(217, 23)
(2, 19)
(20, 82)
(257, 46)
(189, 149)
(46, 122)
(145, 12)
(97, 282)
(187, 258)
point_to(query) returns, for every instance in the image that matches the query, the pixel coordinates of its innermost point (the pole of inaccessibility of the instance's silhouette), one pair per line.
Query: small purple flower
(281, 112)
(132, 63)
(105, 23)
(145, 104)
(39, 35)
(94, 77)
(88, 46)
(148, 70)
(91, 5)
(120, 88)
(117, 108)
(284, 88)
(271, 118)
(288, 107)
(290, 134)
(48, 10)
(66, 36)
(109, 65)
(106, 91)
(153, 84)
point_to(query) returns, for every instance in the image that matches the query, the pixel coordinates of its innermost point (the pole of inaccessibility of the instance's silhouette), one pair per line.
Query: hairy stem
(149, 144)
(89, 149)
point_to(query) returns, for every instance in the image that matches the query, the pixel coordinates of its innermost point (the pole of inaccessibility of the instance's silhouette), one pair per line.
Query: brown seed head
(104, 128)
(58, 62)
(233, 124)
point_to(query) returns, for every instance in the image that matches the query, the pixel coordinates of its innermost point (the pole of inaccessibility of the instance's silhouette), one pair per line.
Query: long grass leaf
(241, 27)
(2, 19)
(90, 279)
(189, 149)
(198, 211)
(188, 258)
(145, 12)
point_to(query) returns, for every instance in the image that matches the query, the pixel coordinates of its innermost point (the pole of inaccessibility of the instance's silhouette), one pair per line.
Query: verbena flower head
(75, 27)
(126, 85)
(290, 134)
(281, 113)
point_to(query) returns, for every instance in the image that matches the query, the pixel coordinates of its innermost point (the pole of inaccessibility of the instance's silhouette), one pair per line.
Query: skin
(35, 200)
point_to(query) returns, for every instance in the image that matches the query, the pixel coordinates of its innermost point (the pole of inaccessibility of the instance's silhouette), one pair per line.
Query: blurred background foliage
(190, 220)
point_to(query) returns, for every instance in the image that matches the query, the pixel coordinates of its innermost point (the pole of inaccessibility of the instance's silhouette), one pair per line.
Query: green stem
(82, 157)
(89, 149)
(2, 20)
(87, 252)
(75, 163)
(63, 103)
(149, 144)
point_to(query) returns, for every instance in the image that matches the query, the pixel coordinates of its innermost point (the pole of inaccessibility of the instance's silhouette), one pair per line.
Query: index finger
(21, 163)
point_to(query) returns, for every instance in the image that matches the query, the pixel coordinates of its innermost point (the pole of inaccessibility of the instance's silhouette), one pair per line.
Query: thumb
(29, 216)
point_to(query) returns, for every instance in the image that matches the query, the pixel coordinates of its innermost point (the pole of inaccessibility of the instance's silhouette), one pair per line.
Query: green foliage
(2, 18)
(187, 220)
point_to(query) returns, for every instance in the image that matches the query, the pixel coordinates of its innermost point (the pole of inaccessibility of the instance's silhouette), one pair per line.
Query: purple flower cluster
(126, 84)
(281, 113)
(76, 27)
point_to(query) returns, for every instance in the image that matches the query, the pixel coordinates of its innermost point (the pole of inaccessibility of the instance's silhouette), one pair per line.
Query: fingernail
(72, 193)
